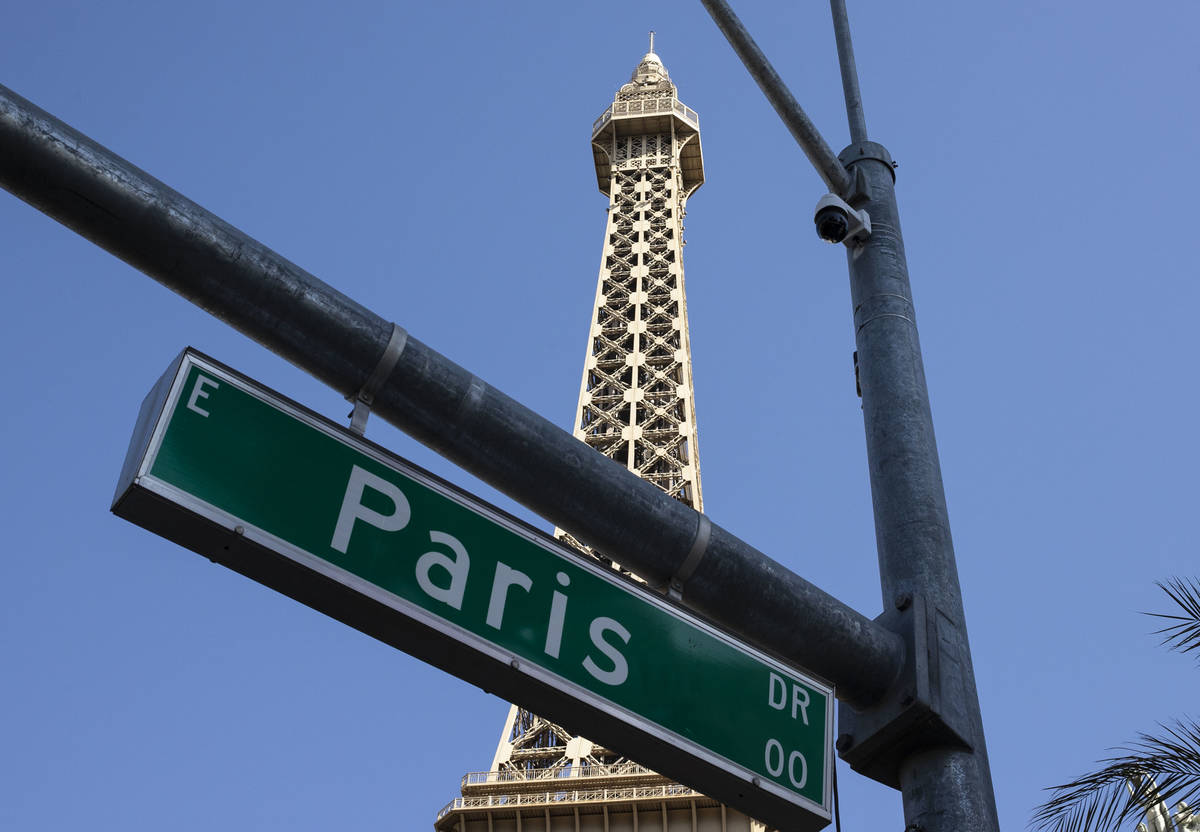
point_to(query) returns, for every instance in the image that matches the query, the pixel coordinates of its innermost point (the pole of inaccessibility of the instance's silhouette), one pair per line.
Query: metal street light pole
(928, 740)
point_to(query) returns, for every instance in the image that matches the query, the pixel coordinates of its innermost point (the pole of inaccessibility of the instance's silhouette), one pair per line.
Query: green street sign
(254, 481)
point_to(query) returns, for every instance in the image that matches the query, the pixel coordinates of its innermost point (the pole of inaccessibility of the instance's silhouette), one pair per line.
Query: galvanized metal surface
(797, 121)
(945, 789)
(237, 279)
(845, 50)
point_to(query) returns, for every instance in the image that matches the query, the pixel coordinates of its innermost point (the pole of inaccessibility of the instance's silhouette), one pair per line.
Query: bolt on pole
(946, 786)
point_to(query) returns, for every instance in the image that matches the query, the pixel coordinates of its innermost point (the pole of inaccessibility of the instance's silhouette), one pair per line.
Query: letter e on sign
(198, 392)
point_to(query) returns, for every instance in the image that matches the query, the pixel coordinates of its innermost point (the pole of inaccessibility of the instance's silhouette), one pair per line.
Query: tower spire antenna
(651, 40)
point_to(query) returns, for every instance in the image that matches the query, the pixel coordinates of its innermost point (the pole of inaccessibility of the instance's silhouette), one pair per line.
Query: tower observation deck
(636, 406)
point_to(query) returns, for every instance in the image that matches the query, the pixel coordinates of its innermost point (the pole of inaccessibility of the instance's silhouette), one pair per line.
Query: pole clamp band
(688, 567)
(365, 397)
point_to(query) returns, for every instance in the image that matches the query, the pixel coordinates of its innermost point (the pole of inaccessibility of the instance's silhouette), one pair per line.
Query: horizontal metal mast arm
(261, 294)
(798, 123)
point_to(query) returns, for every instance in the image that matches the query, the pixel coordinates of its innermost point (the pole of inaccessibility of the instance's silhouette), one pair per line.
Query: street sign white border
(147, 481)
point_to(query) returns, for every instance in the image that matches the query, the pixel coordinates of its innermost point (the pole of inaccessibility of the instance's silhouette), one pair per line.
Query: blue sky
(432, 162)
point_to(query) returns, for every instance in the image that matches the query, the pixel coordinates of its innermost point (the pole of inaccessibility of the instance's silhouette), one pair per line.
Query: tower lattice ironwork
(637, 406)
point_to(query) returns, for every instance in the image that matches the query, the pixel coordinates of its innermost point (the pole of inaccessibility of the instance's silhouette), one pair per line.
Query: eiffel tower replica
(636, 406)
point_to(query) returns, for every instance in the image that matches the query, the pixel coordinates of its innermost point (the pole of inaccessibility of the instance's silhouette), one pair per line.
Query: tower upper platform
(649, 104)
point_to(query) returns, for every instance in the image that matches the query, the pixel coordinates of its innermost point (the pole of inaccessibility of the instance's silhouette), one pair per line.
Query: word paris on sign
(256, 482)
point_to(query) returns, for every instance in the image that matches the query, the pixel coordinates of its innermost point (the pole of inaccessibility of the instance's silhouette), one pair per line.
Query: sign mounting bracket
(365, 397)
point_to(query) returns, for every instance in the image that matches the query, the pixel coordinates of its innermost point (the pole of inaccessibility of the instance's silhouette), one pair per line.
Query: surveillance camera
(837, 222)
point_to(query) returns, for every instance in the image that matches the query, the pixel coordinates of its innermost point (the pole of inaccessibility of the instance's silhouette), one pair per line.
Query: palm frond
(1184, 635)
(1163, 768)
